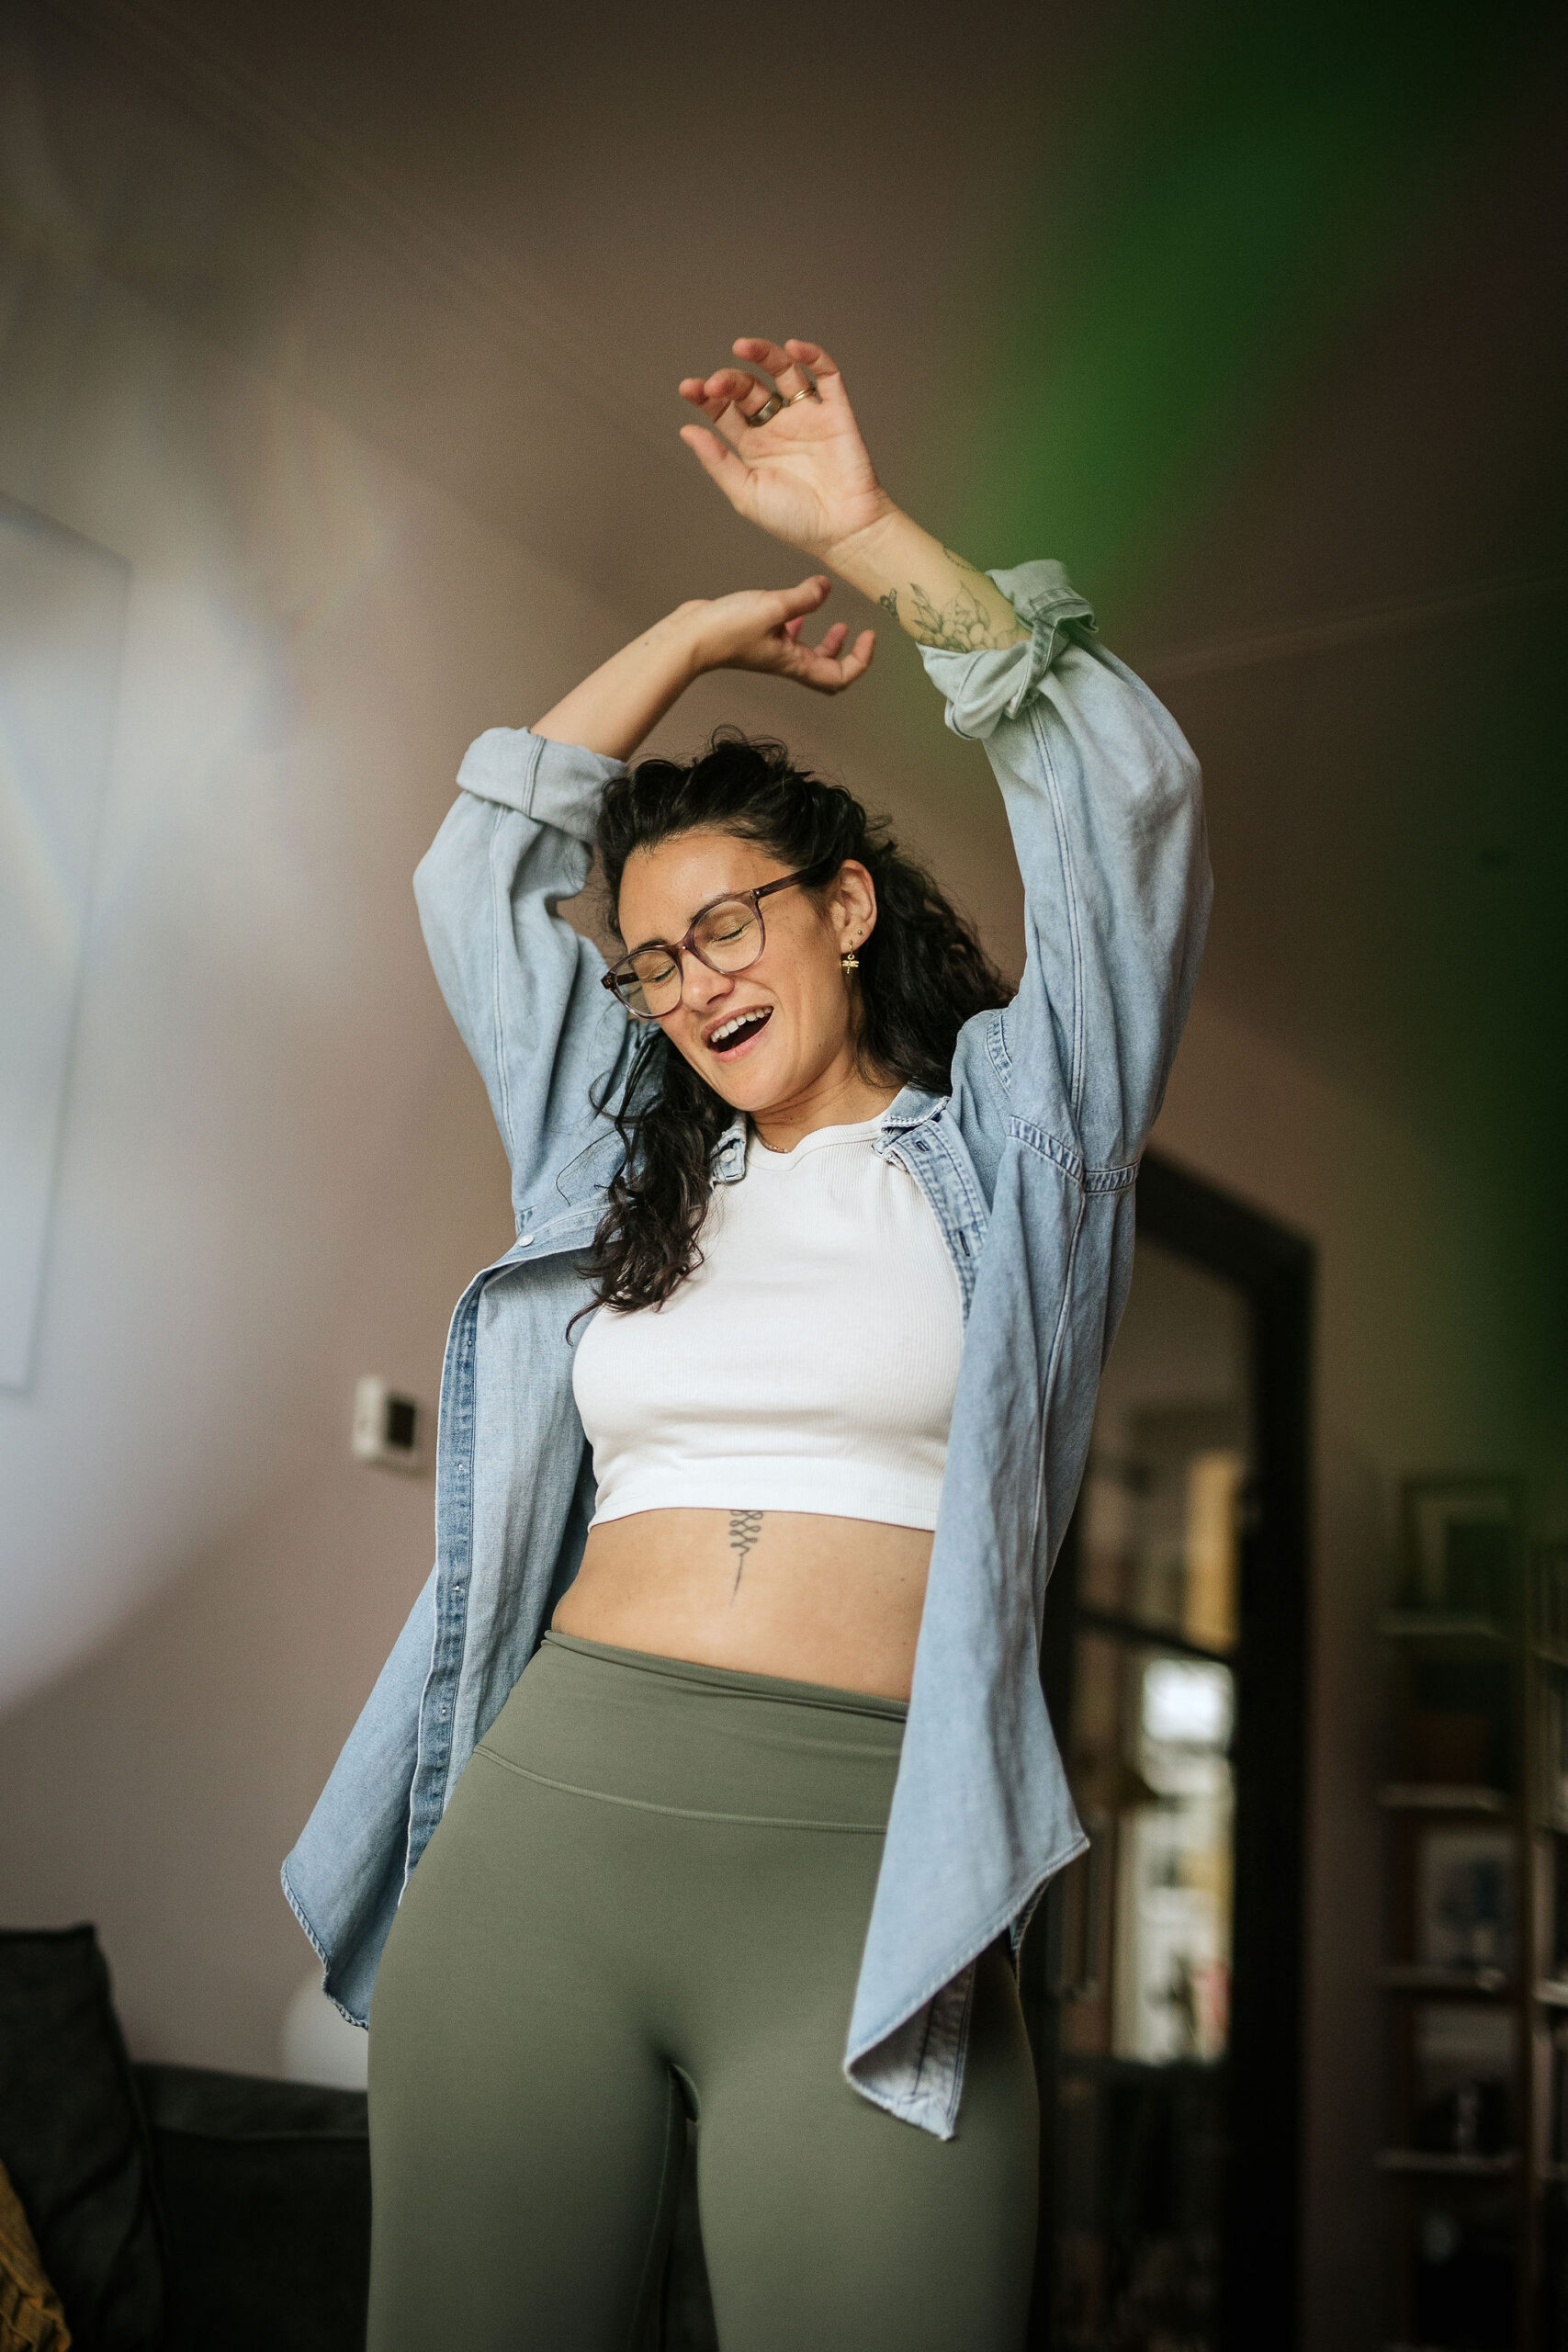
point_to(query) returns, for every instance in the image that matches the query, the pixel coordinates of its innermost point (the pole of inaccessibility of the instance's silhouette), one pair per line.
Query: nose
(701, 985)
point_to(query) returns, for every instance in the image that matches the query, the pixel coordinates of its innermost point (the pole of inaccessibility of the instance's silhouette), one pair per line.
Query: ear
(851, 905)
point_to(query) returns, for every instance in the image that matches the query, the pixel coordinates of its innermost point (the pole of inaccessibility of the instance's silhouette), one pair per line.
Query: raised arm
(756, 628)
(1102, 794)
(805, 475)
(521, 983)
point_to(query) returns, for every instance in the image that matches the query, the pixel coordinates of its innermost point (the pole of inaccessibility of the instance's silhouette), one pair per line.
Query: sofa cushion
(265, 2190)
(72, 2139)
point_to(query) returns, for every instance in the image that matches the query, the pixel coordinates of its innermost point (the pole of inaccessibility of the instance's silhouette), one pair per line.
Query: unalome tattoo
(745, 1526)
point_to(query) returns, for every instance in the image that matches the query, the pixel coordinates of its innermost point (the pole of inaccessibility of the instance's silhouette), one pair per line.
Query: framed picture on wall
(1462, 1542)
(62, 613)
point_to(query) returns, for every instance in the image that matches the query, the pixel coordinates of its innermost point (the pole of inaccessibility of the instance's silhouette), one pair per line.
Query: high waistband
(731, 1678)
(707, 1742)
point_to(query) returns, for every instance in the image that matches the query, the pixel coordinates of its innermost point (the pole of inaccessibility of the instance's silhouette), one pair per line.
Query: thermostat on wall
(387, 1427)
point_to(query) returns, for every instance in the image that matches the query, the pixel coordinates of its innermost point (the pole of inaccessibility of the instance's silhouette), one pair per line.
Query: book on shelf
(1457, 1725)
(1466, 1898)
(1464, 2079)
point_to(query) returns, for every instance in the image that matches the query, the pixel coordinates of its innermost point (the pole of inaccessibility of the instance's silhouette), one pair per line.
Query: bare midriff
(805, 1597)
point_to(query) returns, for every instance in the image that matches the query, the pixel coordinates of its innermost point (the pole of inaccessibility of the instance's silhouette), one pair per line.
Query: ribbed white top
(808, 1364)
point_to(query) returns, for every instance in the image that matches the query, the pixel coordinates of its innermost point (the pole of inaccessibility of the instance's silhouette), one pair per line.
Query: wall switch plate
(387, 1427)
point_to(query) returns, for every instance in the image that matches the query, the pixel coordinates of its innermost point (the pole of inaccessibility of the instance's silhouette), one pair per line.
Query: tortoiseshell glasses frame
(639, 979)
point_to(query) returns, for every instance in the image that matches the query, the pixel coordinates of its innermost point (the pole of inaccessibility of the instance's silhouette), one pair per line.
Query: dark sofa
(173, 2208)
(179, 2209)
(264, 2193)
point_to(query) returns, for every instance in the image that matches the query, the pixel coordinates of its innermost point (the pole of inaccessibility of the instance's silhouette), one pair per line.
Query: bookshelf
(1474, 1978)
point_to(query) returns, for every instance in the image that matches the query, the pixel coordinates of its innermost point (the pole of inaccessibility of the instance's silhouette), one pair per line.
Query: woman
(773, 1416)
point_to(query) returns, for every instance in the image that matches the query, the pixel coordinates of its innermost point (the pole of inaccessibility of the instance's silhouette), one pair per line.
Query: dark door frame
(1275, 1271)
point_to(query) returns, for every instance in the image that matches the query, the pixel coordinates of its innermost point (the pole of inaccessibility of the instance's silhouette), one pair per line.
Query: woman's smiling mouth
(733, 1036)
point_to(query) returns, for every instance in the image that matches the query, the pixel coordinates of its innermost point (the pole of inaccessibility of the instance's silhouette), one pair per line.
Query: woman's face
(794, 1005)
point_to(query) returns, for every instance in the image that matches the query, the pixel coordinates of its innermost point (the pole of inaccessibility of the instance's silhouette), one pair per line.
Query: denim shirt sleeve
(1103, 799)
(520, 983)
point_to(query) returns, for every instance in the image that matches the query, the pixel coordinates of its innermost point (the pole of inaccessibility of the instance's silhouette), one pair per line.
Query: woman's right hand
(806, 476)
(759, 628)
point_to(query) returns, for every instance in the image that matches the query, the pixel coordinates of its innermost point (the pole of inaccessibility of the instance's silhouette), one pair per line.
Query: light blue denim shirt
(1029, 1165)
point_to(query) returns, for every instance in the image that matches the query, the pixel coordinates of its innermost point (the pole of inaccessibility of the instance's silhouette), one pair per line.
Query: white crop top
(808, 1364)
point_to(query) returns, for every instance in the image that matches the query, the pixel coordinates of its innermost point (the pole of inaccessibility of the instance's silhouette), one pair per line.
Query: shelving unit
(1475, 1979)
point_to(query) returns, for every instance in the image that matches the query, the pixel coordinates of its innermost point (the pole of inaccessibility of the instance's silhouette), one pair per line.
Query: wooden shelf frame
(1448, 1984)
(1446, 1797)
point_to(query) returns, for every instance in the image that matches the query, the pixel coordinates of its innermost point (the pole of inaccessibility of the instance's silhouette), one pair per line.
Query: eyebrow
(695, 918)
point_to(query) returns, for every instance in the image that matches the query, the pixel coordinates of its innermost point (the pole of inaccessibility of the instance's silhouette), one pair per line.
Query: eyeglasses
(726, 935)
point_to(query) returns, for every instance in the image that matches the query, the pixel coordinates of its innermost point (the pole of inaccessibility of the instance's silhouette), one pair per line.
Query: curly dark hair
(923, 972)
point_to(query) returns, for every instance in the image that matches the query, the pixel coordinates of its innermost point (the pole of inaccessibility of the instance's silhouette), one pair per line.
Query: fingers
(829, 676)
(786, 374)
(759, 629)
(787, 363)
(729, 388)
(717, 458)
(807, 594)
(829, 642)
(791, 357)
(736, 394)
(829, 382)
(825, 665)
(714, 394)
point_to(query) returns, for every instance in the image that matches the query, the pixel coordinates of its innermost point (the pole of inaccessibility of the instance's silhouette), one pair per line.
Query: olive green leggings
(649, 1894)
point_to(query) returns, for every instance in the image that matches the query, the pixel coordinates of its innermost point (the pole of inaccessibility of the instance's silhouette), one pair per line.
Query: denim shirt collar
(910, 1108)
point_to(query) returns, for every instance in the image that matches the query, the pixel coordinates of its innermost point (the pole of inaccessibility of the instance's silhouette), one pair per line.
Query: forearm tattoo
(961, 625)
(745, 1526)
(968, 623)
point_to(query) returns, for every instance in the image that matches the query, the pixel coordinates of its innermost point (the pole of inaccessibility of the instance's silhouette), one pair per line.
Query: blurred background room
(338, 353)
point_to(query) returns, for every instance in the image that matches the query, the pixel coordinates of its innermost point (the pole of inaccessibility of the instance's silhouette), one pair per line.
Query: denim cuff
(555, 784)
(983, 688)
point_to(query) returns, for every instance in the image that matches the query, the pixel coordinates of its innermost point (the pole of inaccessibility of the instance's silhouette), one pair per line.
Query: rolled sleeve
(1105, 806)
(521, 983)
(985, 687)
(555, 784)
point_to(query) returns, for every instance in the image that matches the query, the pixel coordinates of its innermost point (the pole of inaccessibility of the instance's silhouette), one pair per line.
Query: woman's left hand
(759, 628)
(805, 475)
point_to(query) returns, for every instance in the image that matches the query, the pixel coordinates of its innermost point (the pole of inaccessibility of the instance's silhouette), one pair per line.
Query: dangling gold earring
(850, 960)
